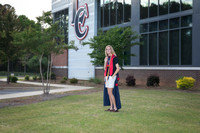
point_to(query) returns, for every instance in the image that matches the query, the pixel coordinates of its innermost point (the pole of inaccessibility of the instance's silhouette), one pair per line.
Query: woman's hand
(106, 59)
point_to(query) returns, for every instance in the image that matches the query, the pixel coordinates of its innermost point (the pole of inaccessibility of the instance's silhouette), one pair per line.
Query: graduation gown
(116, 94)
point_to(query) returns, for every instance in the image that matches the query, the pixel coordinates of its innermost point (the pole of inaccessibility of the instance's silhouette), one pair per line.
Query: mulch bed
(34, 99)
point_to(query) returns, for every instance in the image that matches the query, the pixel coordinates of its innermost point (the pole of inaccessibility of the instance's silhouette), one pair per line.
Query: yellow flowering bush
(185, 82)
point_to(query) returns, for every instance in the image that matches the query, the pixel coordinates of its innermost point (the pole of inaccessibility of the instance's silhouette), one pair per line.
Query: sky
(30, 8)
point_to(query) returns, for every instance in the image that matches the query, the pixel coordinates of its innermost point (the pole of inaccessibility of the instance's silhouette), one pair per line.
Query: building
(170, 31)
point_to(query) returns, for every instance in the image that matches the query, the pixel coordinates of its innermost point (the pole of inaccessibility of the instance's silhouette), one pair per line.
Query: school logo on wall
(78, 20)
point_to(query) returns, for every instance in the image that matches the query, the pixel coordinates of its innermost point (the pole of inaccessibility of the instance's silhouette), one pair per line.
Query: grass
(143, 111)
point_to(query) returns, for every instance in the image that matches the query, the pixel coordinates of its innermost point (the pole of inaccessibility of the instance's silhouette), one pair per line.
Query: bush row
(153, 80)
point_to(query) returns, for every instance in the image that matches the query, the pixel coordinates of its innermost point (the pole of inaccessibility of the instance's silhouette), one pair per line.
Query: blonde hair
(112, 50)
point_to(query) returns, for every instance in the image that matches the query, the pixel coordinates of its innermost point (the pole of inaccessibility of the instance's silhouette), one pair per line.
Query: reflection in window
(143, 50)
(174, 47)
(163, 7)
(120, 11)
(153, 26)
(163, 25)
(143, 9)
(143, 28)
(174, 23)
(113, 12)
(153, 8)
(62, 18)
(102, 14)
(186, 46)
(127, 10)
(186, 4)
(163, 48)
(186, 21)
(174, 6)
(153, 49)
(127, 59)
(106, 12)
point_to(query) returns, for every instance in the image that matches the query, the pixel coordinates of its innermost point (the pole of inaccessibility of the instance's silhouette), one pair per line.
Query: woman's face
(108, 50)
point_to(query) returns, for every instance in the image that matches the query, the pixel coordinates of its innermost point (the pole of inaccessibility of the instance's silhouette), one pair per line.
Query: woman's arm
(117, 69)
(105, 61)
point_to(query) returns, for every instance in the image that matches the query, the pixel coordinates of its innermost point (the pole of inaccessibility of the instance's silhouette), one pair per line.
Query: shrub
(53, 75)
(130, 80)
(27, 77)
(35, 77)
(64, 78)
(39, 77)
(95, 80)
(10, 77)
(91, 80)
(45, 75)
(13, 79)
(73, 81)
(153, 81)
(185, 82)
(63, 81)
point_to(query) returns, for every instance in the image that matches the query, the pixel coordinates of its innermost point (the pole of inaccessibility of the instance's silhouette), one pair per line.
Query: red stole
(111, 66)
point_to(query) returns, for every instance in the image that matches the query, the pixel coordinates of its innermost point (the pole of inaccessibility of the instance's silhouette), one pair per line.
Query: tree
(7, 26)
(49, 42)
(121, 39)
(23, 24)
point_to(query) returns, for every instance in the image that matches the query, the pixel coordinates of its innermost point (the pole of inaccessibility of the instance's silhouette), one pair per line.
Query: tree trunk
(51, 61)
(8, 72)
(47, 90)
(40, 60)
(24, 69)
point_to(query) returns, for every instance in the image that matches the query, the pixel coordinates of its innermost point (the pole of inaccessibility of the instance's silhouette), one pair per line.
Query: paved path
(6, 94)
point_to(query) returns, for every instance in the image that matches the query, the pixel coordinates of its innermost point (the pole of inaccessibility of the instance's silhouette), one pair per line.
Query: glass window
(143, 28)
(153, 49)
(163, 7)
(174, 6)
(127, 10)
(143, 9)
(143, 50)
(163, 25)
(102, 15)
(62, 18)
(153, 8)
(106, 12)
(174, 47)
(120, 11)
(127, 60)
(186, 4)
(186, 46)
(153, 26)
(186, 21)
(163, 48)
(174, 23)
(113, 12)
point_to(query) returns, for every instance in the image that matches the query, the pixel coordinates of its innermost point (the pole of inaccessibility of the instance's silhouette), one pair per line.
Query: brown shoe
(109, 109)
(114, 110)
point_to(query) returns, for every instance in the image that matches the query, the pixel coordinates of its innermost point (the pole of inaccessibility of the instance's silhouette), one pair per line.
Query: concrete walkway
(61, 88)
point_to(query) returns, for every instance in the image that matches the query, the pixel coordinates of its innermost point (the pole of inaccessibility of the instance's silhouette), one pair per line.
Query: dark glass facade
(169, 42)
(166, 37)
(153, 8)
(115, 12)
(62, 17)
(166, 41)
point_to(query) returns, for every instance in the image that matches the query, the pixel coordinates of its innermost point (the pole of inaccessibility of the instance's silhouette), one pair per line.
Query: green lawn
(143, 111)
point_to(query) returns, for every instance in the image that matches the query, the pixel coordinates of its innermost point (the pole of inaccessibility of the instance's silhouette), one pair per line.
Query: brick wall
(61, 60)
(167, 77)
(60, 72)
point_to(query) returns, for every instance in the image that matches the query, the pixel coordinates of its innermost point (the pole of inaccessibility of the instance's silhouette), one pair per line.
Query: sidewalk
(63, 88)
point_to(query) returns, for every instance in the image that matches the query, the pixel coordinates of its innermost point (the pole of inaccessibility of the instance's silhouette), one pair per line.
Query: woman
(111, 77)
